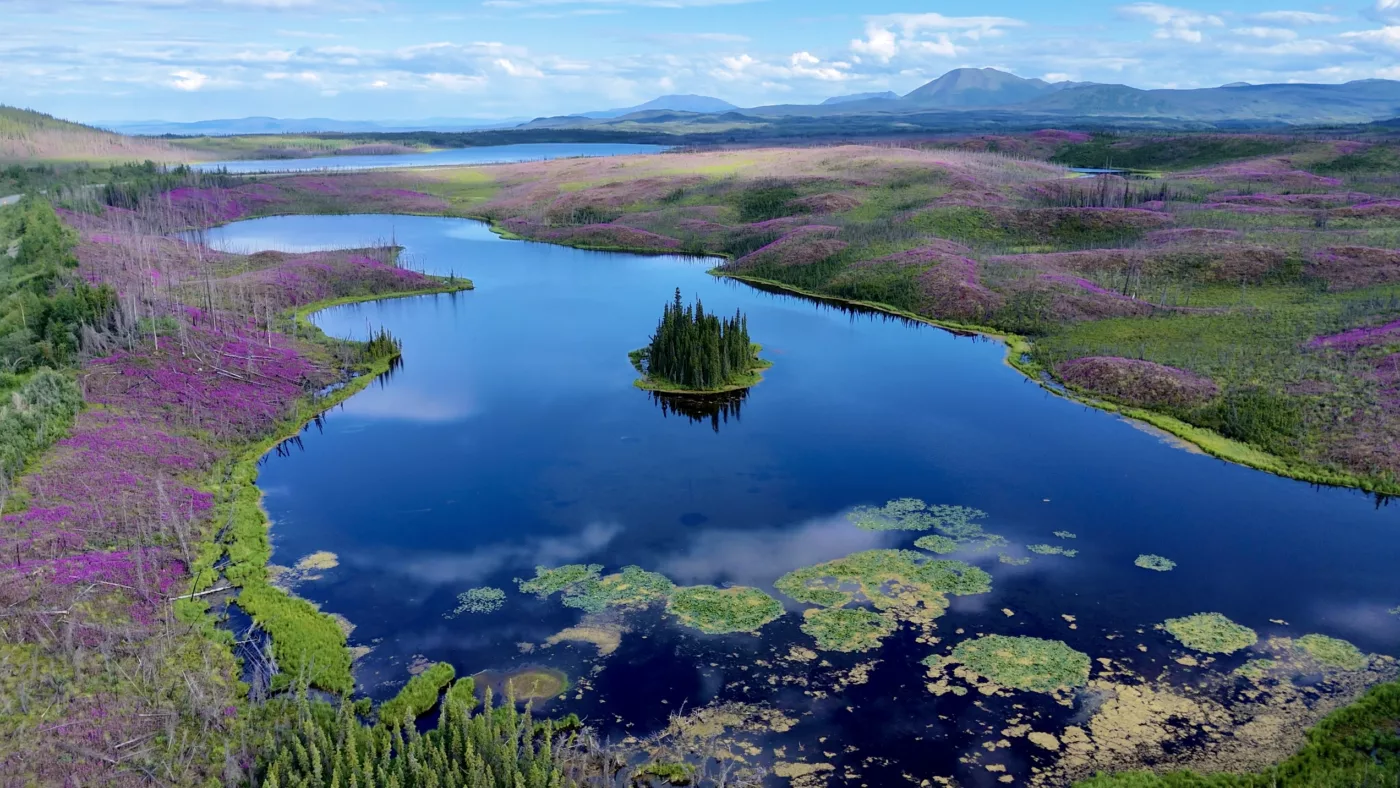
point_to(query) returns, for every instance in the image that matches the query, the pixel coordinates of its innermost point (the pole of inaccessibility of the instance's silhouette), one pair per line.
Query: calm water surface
(492, 154)
(512, 436)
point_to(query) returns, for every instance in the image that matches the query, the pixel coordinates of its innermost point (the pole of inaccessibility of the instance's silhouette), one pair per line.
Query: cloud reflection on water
(438, 568)
(758, 557)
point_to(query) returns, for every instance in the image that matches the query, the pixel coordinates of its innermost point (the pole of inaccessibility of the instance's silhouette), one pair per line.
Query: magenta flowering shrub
(1370, 209)
(1295, 201)
(827, 202)
(290, 280)
(338, 193)
(613, 236)
(803, 246)
(1350, 267)
(951, 290)
(1136, 382)
(1355, 339)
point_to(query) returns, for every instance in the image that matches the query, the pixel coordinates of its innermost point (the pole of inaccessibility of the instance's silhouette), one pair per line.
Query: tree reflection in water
(700, 408)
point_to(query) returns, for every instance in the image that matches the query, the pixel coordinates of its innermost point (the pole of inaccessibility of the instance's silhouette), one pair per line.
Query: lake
(491, 154)
(512, 437)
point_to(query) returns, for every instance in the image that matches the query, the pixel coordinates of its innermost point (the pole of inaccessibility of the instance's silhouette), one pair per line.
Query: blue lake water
(512, 437)
(492, 154)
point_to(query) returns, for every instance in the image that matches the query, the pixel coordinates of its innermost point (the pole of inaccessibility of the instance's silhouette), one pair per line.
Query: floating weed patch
(912, 514)
(1395, 611)
(1066, 535)
(718, 611)
(1023, 663)
(534, 683)
(1050, 549)
(846, 629)
(1014, 560)
(559, 579)
(1256, 669)
(478, 600)
(583, 588)
(1212, 633)
(1332, 652)
(318, 561)
(910, 585)
(606, 636)
(936, 543)
(1155, 562)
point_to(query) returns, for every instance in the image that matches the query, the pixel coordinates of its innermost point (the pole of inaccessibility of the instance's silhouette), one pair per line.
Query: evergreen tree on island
(695, 351)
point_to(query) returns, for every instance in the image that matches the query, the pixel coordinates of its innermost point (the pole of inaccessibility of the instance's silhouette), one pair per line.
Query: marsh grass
(1212, 633)
(1023, 663)
(582, 586)
(1155, 562)
(1332, 652)
(718, 611)
(1052, 549)
(846, 629)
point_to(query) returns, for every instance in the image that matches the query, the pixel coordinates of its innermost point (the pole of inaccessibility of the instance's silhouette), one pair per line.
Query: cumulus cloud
(1387, 37)
(1181, 24)
(187, 79)
(1275, 33)
(890, 35)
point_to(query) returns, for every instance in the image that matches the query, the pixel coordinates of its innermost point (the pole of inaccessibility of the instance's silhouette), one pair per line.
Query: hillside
(33, 136)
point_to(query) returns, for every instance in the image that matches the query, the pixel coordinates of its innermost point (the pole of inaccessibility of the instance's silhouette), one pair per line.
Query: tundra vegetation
(1245, 304)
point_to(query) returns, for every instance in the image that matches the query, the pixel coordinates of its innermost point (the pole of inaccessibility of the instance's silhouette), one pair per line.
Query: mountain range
(962, 98)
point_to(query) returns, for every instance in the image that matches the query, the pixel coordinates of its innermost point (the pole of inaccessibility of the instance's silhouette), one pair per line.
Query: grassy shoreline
(303, 638)
(1018, 348)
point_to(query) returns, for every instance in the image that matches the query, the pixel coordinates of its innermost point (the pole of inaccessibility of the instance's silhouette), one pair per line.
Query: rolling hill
(35, 137)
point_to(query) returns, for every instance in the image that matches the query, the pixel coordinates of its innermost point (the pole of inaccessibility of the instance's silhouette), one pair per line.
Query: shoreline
(246, 538)
(1208, 441)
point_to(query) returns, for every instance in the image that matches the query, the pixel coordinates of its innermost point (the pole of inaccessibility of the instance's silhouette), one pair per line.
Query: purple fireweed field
(106, 664)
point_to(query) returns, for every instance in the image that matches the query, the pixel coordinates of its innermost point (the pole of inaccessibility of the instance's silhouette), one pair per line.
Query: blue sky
(95, 60)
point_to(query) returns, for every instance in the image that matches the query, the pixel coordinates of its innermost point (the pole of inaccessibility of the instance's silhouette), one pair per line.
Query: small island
(697, 353)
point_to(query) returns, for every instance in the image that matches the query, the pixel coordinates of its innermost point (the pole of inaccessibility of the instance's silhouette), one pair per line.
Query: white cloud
(1274, 33)
(1180, 24)
(636, 3)
(186, 79)
(516, 70)
(1387, 37)
(889, 35)
(1297, 18)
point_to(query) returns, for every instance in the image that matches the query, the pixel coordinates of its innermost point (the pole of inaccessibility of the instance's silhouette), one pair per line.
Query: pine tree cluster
(699, 351)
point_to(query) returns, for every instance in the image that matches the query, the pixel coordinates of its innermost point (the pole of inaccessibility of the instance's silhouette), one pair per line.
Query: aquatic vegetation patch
(846, 629)
(1256, 668)
(718, 611)
(1066, 535)
(478, 600)
(535, 684)
(1212, 633)
(605, 636)
(1023, 663)
(1013, 560)
(936, 543)
(1332, 652)
(1050, 549)
(582, 587)
(1155, 562)
(910, 585)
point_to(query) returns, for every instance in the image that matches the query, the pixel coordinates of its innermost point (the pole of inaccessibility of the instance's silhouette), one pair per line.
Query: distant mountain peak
(676, 102)
(884, 94)
(978, 87)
